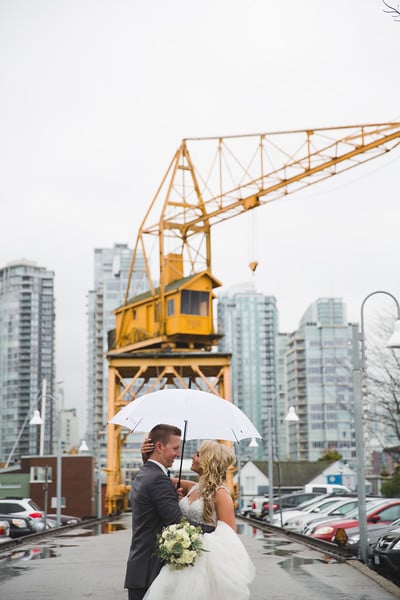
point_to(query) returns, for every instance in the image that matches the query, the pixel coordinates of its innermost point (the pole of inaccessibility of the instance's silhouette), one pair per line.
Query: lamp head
(291, 417)
(83, 447)
(394, 340)
(36, 419)
(253, 443)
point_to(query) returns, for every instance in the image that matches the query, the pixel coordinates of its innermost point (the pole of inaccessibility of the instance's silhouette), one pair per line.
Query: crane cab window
(194, 303)
(171, 307)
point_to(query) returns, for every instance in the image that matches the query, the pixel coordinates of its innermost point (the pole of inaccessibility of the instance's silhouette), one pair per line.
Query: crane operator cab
(180, 317)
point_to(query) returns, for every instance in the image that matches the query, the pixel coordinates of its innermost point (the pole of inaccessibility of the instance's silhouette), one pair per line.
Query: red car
(382, 511)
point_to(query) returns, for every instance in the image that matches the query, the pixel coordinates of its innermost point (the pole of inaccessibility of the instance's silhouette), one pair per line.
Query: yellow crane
(165, 336)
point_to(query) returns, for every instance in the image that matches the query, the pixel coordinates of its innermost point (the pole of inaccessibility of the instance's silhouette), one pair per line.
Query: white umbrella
(200, 415)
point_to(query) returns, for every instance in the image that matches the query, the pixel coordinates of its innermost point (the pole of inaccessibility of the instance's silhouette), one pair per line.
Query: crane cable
(252, 241)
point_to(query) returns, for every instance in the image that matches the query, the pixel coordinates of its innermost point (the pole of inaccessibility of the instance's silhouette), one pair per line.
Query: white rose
(188, 557)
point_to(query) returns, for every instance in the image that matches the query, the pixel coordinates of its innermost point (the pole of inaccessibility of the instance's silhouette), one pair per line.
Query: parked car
(256, 507)
(4, 531)
(285, 514)
(287, 501)
(19, 526)
(246, 511)
(339, 508)
(65, 519)
(374, 532)
(349, 507)
(386, 510)
(386, 553)
(23, 507)
(306, 507)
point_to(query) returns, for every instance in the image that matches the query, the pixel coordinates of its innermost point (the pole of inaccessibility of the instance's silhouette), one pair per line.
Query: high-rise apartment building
(27, 356)
(248, 321)
(111, 271)
(69, 430)
(319, 382)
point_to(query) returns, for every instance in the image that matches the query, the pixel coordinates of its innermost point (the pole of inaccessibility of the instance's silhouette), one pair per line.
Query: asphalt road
(77, 566)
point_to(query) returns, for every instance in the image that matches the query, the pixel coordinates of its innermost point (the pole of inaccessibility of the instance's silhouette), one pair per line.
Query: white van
(326, 488)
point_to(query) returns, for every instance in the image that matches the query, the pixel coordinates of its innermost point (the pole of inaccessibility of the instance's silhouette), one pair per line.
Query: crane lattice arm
(214, 179)
(210, 180)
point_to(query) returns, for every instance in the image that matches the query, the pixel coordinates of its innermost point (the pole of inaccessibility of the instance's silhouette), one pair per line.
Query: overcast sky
(96, 95)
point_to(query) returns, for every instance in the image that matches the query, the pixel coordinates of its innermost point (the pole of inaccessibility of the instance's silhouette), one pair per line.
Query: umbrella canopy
(200, 415)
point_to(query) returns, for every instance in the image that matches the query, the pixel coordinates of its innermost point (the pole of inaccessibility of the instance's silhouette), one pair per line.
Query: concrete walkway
(78, 566)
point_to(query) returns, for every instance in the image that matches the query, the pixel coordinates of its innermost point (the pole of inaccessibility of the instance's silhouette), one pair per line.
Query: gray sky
(96, 95)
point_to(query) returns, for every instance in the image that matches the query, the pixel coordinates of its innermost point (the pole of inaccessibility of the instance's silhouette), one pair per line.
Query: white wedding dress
(223, 572)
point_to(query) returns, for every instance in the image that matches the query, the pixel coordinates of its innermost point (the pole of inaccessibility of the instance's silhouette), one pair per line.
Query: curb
(386, 584)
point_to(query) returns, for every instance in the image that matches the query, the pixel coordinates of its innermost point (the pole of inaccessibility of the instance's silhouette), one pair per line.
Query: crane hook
(253, 265)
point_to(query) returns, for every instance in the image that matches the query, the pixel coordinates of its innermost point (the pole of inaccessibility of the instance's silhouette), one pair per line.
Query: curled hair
(215, 459)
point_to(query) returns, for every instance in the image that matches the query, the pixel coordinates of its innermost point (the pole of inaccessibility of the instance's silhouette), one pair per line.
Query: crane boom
(214, 179)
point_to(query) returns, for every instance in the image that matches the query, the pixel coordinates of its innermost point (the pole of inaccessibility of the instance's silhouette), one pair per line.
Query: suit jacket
(154, 503)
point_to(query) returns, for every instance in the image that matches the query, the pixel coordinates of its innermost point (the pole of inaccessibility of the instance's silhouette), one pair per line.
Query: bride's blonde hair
(214, 460)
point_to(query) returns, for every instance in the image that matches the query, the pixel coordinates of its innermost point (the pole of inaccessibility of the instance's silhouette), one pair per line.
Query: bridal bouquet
(179, 544)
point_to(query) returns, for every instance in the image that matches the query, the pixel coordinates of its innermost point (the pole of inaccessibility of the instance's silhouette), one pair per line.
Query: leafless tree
(382, 391)
(392, 10)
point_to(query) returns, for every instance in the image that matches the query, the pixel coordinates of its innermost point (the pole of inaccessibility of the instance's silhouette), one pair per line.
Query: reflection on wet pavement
(291, 559)
(11, 560)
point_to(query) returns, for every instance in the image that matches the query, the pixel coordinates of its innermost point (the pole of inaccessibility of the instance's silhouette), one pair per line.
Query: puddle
(99, 529)
(111, 527)
(12, 562)
(294, 566)
(78, 534)
(274, 546)
(249, 531)
(293, 563)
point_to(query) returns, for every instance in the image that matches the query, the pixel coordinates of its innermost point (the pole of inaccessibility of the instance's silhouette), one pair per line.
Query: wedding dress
(223, 571)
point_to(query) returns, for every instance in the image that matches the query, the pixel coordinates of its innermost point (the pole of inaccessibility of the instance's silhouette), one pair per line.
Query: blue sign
(335, 479)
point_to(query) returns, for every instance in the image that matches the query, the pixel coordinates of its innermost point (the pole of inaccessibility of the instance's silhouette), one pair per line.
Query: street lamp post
(84, 449)
(252, 444)
(291, 416)
(358, 374)
(270, 467)
(41, 421)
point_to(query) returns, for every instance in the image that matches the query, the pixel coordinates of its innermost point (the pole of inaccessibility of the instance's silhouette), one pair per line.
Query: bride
(225, 569)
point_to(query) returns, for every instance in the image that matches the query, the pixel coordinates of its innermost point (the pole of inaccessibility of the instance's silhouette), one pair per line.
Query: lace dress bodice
(192, 509)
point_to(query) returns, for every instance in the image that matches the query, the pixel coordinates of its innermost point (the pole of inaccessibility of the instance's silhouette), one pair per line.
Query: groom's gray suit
(155, 505)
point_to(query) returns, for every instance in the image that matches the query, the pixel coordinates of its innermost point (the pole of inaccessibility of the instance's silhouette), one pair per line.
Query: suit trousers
(136, 593)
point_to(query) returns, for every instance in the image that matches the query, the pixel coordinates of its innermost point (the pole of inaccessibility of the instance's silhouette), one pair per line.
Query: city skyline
(92, 111)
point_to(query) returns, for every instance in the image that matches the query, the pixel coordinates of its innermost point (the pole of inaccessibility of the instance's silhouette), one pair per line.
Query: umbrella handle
(178, 485)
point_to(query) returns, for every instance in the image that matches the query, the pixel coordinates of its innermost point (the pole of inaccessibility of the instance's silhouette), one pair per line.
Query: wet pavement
(91, 564)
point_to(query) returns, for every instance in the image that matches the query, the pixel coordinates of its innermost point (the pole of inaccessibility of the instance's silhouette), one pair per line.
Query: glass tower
(319, 382)
(27, 356)
(111, 271)
(249, 322)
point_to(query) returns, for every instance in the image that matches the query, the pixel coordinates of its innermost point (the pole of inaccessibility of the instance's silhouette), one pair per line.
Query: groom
(154, 503)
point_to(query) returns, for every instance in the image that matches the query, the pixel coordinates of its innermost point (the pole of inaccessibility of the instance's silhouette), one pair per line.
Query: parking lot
(91, 563)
